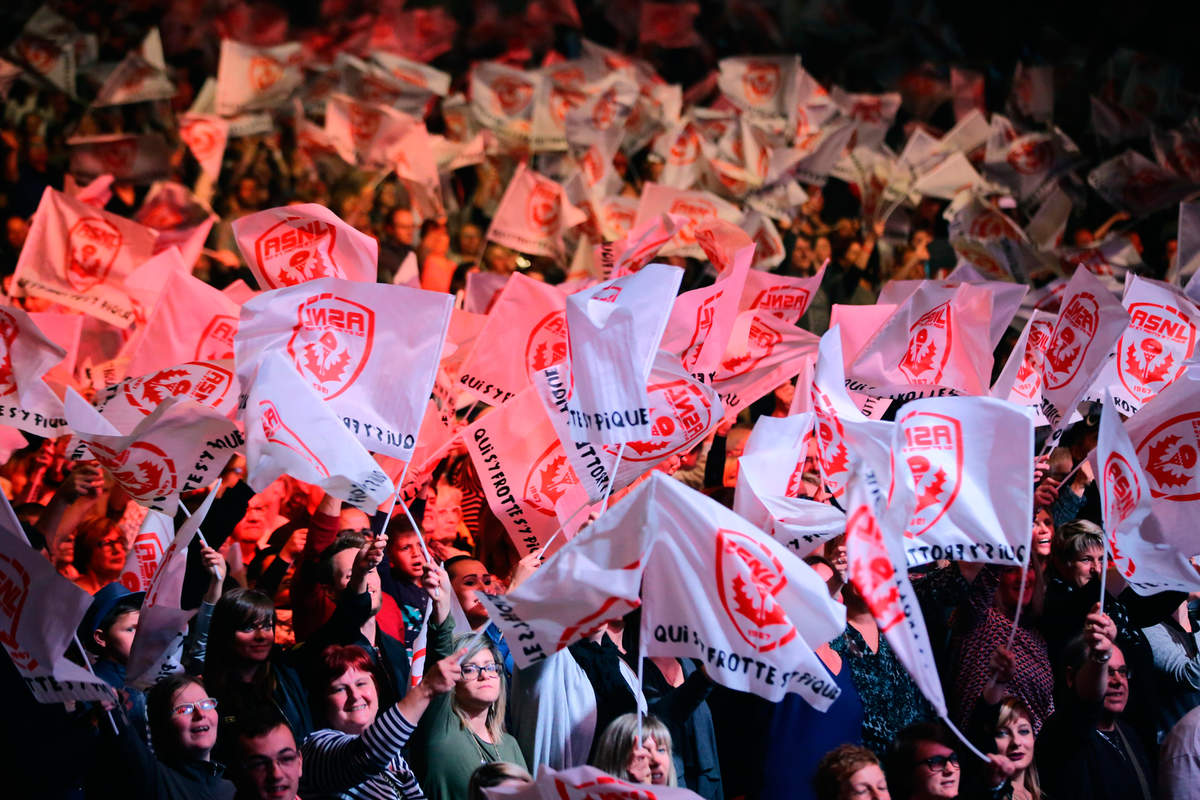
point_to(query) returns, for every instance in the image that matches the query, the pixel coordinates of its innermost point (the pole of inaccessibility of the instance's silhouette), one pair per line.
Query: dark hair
(235, 610)
(160, 704)
(836, 767)
(452, 560)
(260, 722)
(901, 756)
(494, 773)
(87, 541)
(344, 541)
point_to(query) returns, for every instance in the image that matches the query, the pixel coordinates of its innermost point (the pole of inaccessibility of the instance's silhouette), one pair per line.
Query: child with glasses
(465, 728)
(923, 763)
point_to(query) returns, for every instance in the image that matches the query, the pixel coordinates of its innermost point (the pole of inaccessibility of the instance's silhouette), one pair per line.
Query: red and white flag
(135, 158)
(681, 149)
(292, 244)
(1089, 323)
(192, 321)
(1021, 380)
(842, 432)
(65, 330)
(151, 544)
(637, 242)
(374, 367)
(613, 333)
(134, 80)
(936, 340)
(251, 78)
(584, 783)
(808, 107)
(96, 193)
(768, 251)
(1183, 270)
(758, 84)
(702, 320)
(1152, 351)
(38, 619)
(972, 495)
(533, 215)
(205, 136)
(525, 332)
(1179, 150)
(211, 384)
(695, 207)
(177, 449)
(525, 474)
(26, 355)
(782, 295)
(79, 257)
(1136, 184)
(872, 114)
(502, 98)
(291, 430)
(366, 133)
(701, 568)
(1111, 259)
(163, 623)
(878, 572)
(1146, 552)
(763, 352)
(1006, 297)
(683, 412)
(1033, 92)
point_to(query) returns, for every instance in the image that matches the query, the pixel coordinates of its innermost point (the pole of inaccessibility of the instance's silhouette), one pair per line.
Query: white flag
(713, 587)
(291, 430)
(293, 244)
(26, 355)
(251, 78)
(370, 351)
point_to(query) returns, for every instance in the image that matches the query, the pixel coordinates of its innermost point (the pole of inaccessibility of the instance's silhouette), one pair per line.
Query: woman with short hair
(622, 754)
(99, 555)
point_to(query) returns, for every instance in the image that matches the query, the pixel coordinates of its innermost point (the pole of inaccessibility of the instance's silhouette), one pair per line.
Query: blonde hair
(476, 644)
(1013, 709)
(615, 748)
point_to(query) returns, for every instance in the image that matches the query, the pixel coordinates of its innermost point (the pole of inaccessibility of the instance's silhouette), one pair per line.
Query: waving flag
(782, 295)
(139, 159)
(291, 430)
(293, 244)
(1152, 351)
(146, 553)
(162, 624)
(1021, 380)
(763, 352)
(1136, 184)
(251, 78)
(936, 340)
(1144, 552)
(79, 256)
(694, 207)
(38, 619)
(758, 84)
(741, 596)
(972, 495)
(26, 355)
(206, 136)
(638, 243)
(1089, 323)
(878, 572)
(177, 449)
(525, 474)
(210, 384)
(135, 80)
(192, 321)
(345, 339)
(534, 214)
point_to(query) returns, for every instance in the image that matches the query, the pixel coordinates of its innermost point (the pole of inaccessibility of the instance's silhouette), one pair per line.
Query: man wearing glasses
(269, 764)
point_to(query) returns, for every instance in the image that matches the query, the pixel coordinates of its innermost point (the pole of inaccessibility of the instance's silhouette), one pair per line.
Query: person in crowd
(244, 669)
(400, 230)
(465, 727)
(401, 577)
(923, 763)
(267, 763)
(1179, 758)
(468, 576)
(437, 268)
(1001, 723)
(360, 751)
(495, 775)
(849, 772)
(100, 553)
(183, 727)
(1175, 643)
(642, 757)
(1086, 748)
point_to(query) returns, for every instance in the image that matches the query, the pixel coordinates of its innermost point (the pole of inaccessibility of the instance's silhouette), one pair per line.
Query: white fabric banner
(293, 244)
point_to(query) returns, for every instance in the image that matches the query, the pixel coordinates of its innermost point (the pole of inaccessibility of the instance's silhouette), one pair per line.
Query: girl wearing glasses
(465, 728)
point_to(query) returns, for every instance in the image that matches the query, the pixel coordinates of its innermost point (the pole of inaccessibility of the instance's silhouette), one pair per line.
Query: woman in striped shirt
(358, 755)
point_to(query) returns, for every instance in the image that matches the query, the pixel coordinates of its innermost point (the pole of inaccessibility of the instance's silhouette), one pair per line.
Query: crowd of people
(335, 655)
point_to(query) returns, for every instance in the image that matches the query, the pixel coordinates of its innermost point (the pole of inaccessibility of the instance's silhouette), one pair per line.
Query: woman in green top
(465, 728)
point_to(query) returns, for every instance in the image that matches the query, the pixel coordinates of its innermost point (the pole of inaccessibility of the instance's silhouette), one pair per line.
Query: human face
(802, 254)
(253, 641)
(659, 762)
(402, 226)
(1116, 695)
(469, 239)
(929, 782)
(466, 577)
(271, 765)
(404, 551)
(1043, 532)
(109, 555)
(354, 520)
(1014, 741)
(835, 552)
(196, 733)
(1009, 590)
(352, 702)
(1085, 567)
(343, 566)
(822, 249)
(15, 230)
(254, 523)
(868, 783)
(481, 687)
(118, 639)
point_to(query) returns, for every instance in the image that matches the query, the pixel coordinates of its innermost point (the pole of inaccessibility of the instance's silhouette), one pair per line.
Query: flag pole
(603, 502)
(87, 662)
(965, 740)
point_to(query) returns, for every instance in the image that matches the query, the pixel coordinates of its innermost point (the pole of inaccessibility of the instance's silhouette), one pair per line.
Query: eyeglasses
(187, 709)
(1123, 671)
(367, 532)
(261, 763)
(113, 544)
(470, 671)
(938, 763)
